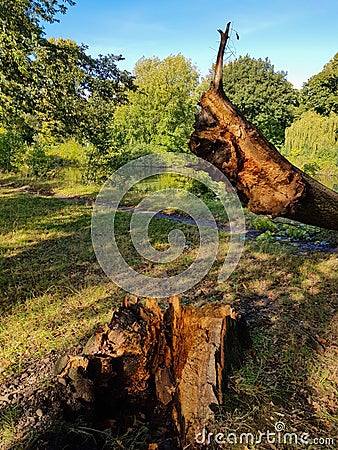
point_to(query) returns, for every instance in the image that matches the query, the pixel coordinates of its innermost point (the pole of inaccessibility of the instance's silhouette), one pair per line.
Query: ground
(54, 296)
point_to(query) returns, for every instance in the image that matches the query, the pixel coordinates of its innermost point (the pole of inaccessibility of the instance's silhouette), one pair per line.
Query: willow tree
(265, 181)
(312, 139)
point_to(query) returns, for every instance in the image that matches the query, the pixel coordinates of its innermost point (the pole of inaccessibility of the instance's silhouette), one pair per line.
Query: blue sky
(298, 36)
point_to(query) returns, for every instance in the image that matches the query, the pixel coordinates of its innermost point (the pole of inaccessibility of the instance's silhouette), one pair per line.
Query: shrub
(41, 165)
(12, 149)
(73, 156)
(311, 168)
(99, 165)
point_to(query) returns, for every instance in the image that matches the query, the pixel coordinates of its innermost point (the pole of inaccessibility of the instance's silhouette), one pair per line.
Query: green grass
(8, 420)
(53, 292)
(53, 295)
(56, 186)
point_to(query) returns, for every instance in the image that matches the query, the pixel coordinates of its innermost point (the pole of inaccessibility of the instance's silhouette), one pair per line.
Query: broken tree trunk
(265, 181)
(164, 371)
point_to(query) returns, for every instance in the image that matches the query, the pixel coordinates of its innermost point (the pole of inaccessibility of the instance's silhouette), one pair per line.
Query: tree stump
(167, 370)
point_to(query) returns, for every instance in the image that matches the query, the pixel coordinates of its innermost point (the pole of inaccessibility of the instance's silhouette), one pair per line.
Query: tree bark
(265, 181)
(168, 371)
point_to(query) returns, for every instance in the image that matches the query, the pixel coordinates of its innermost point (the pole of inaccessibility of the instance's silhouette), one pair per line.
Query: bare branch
(218, 84)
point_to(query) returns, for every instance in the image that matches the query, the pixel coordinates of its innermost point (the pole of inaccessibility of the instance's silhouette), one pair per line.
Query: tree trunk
(167, 371)
(265, 181)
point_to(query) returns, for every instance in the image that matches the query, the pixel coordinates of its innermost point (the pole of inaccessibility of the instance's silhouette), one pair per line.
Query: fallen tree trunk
(167, 371)
(265, 181)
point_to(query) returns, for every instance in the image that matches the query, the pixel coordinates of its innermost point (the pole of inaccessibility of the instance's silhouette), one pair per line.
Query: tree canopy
(161, 111)
(21, 33)
(77, 94)
(312, 140)
(264, 96)
(312, 143)
(320, 92)
(52, 86)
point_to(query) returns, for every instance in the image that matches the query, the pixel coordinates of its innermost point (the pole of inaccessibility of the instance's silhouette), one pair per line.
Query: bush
(71, 152)
(99, 165)
(73, 157)
(41, 165)
(12, 149)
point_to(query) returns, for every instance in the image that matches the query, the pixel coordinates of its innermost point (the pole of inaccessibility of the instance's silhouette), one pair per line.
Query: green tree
(161, 111)
(20, 34)
(77, 94)
(264, 96)
(12, 149)
(52, 87)
(312, 143)
(320, 92)
(106, 87)
(59, 98)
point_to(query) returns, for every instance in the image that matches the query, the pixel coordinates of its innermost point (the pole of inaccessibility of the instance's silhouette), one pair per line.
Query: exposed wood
(167, 371)
(218, 79)
(265, 181)
(203, 344)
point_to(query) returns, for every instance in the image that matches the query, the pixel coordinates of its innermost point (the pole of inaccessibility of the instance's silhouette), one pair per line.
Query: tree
(107, 88)
(77, 94)
(52, 86)
(312, 141)
(161, 111)
(320, 92)
(266, 182)
(262, 95)
(59, 99)
(21, 32)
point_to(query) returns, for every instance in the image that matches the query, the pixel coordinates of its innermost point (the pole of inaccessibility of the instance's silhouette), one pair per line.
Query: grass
(53, 291)
(288, 374)
(55, 186)
(54, 295)
(48, 273)
(8, 420)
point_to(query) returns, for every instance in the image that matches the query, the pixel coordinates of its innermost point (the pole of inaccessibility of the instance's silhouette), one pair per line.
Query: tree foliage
(312, 140)
(77, 94)
(160, 113)
(21, 33)
(320, 92)
(52, 87)
(312, 143)
(12, 149)
(264, 96)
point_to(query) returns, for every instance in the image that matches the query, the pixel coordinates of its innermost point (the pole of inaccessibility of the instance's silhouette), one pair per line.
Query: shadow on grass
(45, 245)
(289, 301)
